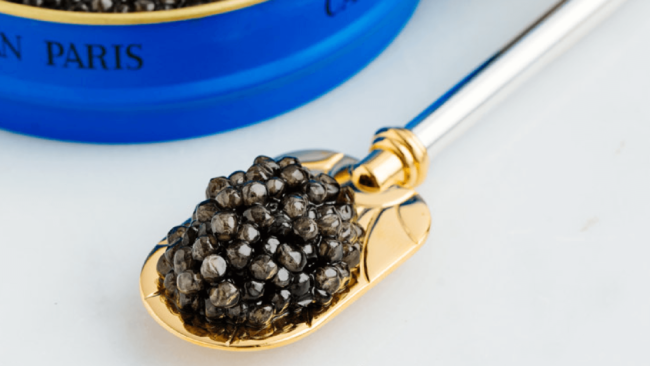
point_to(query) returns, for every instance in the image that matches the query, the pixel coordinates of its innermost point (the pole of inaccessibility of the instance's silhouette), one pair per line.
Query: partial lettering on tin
(334, 7)
(94, 56)
(10, 46)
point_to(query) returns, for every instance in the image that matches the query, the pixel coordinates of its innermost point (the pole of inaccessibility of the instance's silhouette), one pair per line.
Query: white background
(539, 248)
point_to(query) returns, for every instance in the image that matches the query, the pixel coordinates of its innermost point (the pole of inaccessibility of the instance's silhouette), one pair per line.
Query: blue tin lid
(111, 78)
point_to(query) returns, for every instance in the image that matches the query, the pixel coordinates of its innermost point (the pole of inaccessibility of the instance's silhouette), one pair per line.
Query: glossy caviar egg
(254, 193)
(215, 186)
(330, 225)
(294, 206)
(266, 246)
(224, 225)
(189, 282)
(203, 247)
(263, 268)
(205, 210)
(225, 295)
(229, 198)
(213, 268)
(294, 175)
(292, 259)
(237, 178)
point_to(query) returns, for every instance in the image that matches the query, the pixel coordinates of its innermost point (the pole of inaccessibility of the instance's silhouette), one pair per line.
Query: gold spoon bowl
(396, 222)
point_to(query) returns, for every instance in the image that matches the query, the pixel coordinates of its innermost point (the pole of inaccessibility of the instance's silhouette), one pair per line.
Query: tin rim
(164, 16)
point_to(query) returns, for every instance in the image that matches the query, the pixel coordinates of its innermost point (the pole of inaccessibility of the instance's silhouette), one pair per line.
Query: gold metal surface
(397, 157)
(396, 221)
(163, 16)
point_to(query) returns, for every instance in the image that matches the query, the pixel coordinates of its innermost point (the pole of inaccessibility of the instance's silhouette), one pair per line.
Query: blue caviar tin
(165, 75)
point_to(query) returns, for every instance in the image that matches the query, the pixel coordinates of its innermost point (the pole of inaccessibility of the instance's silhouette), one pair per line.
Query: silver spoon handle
(453, 113)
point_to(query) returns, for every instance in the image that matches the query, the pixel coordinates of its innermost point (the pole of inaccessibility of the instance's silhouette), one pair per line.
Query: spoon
(394, 216)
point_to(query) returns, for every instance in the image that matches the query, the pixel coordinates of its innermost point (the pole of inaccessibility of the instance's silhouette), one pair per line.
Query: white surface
(539, 247)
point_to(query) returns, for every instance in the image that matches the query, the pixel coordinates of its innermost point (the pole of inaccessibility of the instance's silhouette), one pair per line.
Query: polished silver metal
(455, 111)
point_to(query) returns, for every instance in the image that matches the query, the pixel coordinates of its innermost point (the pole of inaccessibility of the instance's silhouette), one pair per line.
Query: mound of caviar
(266, 250)
(112, 6)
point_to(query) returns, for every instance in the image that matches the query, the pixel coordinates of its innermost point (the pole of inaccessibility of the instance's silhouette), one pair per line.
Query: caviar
(112, 6)
(266, 250)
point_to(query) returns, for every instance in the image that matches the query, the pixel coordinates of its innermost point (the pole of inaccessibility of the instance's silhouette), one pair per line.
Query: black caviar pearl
(203, 247)
(282, 278)
(260, 316)
(237, 178)
(164, 266)
(331, 185)
(39, 3)
(322, 297)
(294, 206)
(189, 282)
(248, 232)
(325, 210)
(253, 290)
(170, 282)
(205, 210)
(329, 225)
(280, 300)
(330, 250)
(215, 186)
(347, 233)
(254, 193)
(190, 236)
(225, 225)
(213, 268)
(271, 245)
(101, 6)
(144, 5)
(268, 163)
(172, 3)
(344, 273)
(346, 196)
(294, 175)
(275, 187)
(310, 250)
(187, 301)
(170, 251)
(259, 173)
(259, 215)
(288, 160)
(239, 313)
(301, 285)
(263, 267)
(80, 7)
(175, 234)
(282, 224)
(229, 198)
(305, 300)
(182, 260)
(351, 255)
(239, 253)
(225, 295)
(305, 228)
(346, 212)
(292, 259)
(315, 191)
(123, 8)
(327, 279)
